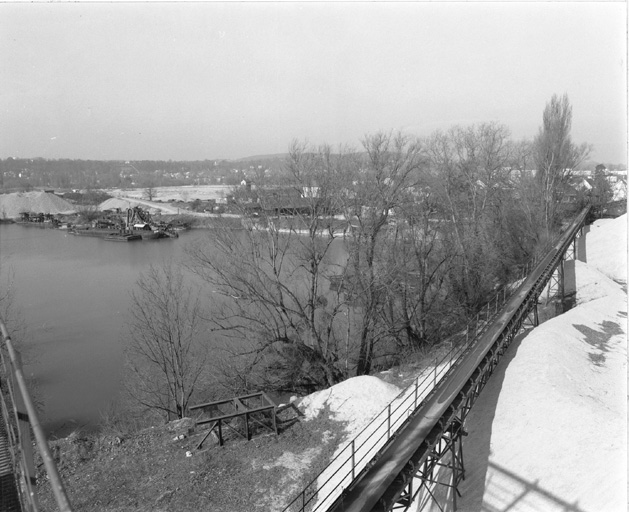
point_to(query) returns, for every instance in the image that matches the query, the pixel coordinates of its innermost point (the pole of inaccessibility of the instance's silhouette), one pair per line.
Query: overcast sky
(192, 81)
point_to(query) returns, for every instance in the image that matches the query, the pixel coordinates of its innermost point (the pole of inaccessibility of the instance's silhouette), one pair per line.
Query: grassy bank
(150, 470)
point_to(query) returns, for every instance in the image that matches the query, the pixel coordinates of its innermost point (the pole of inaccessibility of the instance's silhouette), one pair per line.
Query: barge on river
(123, 237)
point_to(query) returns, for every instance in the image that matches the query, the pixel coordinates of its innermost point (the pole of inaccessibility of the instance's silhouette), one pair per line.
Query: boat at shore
(156, 235)
(90, 232)
(123, 237)
(107, 233)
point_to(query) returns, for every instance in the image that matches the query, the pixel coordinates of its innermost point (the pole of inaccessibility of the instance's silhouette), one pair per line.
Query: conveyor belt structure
(396, 458)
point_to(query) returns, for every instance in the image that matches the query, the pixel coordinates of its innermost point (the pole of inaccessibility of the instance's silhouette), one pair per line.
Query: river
(72, 294)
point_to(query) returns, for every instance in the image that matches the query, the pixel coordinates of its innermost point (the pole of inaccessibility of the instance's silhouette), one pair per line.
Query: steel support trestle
(453, 436)
(446, 450)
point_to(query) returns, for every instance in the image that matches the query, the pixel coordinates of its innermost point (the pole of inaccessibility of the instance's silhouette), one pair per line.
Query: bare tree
(150, 192)
(417, 312)
(522, 157)
(556, 156)
(472, 177)
(165, 351)
(602, 191)
(275, 305)
(377, 186)
(89, 213)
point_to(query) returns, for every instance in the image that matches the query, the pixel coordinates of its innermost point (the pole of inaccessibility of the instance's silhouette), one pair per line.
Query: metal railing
(358, 455)
(240, 409)
(20, 419)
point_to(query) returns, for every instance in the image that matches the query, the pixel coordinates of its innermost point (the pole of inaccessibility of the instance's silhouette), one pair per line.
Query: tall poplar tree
(556, 156)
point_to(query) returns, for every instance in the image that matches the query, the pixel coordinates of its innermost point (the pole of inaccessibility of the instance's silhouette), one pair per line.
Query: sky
(207, 80)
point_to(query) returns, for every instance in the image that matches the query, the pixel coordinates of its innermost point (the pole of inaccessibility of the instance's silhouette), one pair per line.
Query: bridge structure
(411, 454)
(21, 435)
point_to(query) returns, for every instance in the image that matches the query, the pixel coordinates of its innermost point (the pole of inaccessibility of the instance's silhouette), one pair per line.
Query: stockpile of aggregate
(116, 202)
(12, 205)
(123, 204)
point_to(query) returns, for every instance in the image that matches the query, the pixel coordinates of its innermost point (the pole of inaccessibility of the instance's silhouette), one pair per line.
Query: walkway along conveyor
(435, 429)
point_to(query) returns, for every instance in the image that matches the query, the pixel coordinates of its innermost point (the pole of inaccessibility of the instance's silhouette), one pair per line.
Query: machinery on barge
(132, 224)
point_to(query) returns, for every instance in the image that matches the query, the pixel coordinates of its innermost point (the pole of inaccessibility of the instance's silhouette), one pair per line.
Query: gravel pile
(115, 202)
(12, 205)
(123, 204)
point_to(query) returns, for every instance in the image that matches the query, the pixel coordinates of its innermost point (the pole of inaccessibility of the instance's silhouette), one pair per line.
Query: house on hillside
(570, 192)
(581, 184)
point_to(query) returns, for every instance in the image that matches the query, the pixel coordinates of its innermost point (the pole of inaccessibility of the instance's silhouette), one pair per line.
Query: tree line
(395, 245)
(23, 174)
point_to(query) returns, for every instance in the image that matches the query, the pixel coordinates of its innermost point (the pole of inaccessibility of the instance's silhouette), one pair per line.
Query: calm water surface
(73, 295)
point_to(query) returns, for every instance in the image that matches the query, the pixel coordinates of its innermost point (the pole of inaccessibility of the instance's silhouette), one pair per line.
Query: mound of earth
(355, 401)
(12, 205)
(607, 247)
(116, 202)
(124, 204)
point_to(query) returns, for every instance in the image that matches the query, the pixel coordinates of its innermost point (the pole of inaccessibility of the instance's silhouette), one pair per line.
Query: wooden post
(220, 432)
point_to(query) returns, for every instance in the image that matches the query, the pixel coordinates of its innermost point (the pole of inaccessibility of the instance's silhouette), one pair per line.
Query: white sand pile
(593, 284)
(12, 205)
(178, 193)
(354, 403)
(548, 431)
(606, 247)
(355, 400)
(124, 204)
(115, 202)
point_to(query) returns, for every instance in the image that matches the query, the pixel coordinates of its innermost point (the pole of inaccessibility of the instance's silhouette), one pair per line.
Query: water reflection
(73, 295)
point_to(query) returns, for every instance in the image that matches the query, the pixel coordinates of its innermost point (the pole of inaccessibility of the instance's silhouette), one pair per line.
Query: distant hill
(278, 156)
